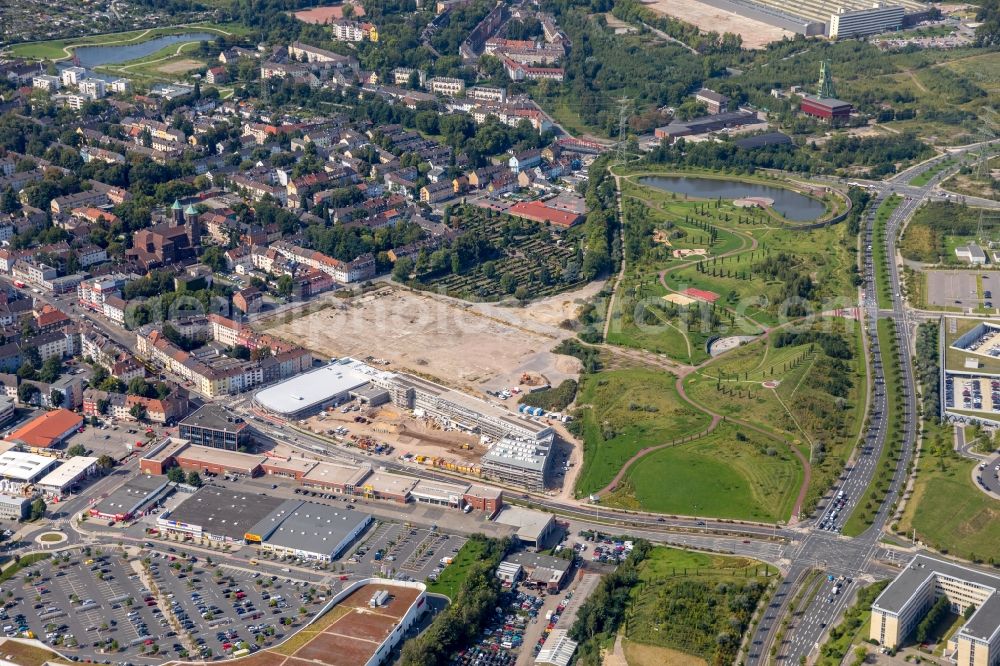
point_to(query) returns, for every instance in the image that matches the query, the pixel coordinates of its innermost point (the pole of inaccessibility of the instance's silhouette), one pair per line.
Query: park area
(625, 411)
(726, 474)
(692, 608)
(805, 388)
(61, 49)
(697, 270)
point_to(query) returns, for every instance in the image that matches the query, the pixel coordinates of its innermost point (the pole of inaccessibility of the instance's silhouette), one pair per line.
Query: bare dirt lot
(755, 34)
(180, 66)
(459, 344)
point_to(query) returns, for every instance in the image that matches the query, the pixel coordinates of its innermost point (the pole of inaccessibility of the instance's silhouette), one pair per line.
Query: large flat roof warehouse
(310, 529)
(24, 467)
(220, 512)
(49, 429)
(315, 389)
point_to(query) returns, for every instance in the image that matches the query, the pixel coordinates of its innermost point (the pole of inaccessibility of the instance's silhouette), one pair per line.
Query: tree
(26, 393)
(138, 411)
(38, 508)
(50, 370)
(285, 286)
(105, 462)
(56, 398)
(76, 450)
(401, 269)
(9, 202)
(194, 479)
(175, 475)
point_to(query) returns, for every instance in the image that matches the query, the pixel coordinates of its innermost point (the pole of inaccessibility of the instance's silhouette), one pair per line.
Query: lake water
(95, 56)
(794, 206)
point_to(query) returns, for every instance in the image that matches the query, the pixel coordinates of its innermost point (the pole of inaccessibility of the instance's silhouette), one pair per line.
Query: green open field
(695, 603)
(864, 511)
(969, 184)
(57, 49)
(726, 474)
(925, 177)
(624, 412)
(817, 405)
(947, 510)
(938, 227)
(452, 576)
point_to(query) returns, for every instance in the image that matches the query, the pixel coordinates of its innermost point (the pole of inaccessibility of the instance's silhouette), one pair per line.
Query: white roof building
(68, 473)
(24, 467)
(558, 649)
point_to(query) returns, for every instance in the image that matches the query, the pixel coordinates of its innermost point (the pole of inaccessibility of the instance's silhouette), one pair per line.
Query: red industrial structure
(827, 108)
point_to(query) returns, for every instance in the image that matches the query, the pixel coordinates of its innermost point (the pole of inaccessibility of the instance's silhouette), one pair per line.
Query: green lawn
(883, 289)
(626, 411)
(947, 510)
(818, 405)
(864, 511)
(696, 603)
(925, 177)
(56, 49)
(719, 476)
(453, 575)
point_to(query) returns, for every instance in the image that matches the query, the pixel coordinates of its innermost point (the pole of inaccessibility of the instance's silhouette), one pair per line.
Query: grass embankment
(56, 49)
(947, 510)
(816, 404)
(883, 286)
(301, 638)
(25, 654)
(866, 508)
(726, 474)
(925, 177)
(853, 628)
(451, 578)
(696, 603)
(22, 564)
(625, 411)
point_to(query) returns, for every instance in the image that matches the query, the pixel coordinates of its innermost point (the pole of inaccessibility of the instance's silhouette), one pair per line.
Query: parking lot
(86, 603)
(101, 606)
(959, 288)
(402, 551)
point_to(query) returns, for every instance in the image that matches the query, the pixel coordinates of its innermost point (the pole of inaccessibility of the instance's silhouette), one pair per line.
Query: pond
(794, 206)
(113, 54)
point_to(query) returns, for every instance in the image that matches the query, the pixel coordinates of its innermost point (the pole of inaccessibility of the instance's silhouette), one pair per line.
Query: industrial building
(218, 514)
(541, 571)
(48, 430)
(58, 482)
(536, 530)
(18, 469)
(837, 19)
(826, 108)
(214, 427)
(132, 499)
(710, 123)
(308, 530)
(901, 606)
(333, 384)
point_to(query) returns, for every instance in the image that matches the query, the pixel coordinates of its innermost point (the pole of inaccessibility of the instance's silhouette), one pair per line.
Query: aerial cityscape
(500, 332)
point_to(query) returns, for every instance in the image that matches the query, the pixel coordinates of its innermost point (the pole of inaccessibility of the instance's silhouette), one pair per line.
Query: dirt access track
(756, 34)
(463, 345)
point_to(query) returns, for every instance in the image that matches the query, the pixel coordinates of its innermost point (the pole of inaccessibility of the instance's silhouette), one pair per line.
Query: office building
(214, 427)
(903, 604)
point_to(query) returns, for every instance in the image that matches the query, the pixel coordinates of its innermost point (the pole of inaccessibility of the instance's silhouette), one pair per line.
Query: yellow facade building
(898, 610)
